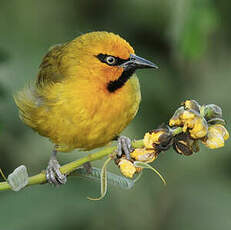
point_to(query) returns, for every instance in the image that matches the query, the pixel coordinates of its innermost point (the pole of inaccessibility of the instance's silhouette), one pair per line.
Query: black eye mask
(118, 61)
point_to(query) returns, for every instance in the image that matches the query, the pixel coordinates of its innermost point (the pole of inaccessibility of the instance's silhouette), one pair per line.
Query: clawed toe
(124, 147)
(53, 174)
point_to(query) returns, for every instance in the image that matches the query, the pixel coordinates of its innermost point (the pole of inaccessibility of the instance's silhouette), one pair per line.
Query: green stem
(72, 166)
(176, 131)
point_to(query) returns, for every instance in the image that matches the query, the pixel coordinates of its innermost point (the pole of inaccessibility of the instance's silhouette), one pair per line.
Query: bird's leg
(124, 147)
(53, 174)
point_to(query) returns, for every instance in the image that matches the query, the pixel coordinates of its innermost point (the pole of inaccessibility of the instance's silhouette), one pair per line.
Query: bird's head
(106, 57)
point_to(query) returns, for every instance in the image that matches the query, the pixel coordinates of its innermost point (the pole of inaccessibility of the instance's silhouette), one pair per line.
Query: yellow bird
(85, 94)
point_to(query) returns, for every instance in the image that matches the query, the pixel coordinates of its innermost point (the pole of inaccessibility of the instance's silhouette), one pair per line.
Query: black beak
(136, 62)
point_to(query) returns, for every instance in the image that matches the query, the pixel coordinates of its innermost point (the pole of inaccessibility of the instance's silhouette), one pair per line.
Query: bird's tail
(27, 103)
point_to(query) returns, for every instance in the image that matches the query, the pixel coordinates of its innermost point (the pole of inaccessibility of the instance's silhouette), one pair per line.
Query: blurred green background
(190, 41)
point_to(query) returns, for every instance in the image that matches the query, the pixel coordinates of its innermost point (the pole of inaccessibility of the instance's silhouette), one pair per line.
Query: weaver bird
(85, 94)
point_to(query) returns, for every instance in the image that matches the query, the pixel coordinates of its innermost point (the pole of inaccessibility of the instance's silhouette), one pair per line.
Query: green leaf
(112, 179)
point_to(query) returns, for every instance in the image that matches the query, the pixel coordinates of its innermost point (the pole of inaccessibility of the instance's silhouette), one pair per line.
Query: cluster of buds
(128, 166)
(154, 142)
(189, 125)
(198, 123)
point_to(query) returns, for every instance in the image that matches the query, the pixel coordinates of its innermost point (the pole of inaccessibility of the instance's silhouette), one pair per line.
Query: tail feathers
(27, 103)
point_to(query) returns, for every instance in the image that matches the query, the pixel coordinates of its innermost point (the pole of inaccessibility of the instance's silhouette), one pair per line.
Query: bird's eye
(110, 60)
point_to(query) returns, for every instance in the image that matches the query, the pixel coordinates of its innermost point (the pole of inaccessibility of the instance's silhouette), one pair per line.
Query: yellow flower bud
(225, 133)
(176, 120)
(191, 120)
(199, 129)
(217, 134)
(187, 120)
(151, 138)
(144, 155)
(127, 168)
(160, 136)
(191, 105)
(187, 115)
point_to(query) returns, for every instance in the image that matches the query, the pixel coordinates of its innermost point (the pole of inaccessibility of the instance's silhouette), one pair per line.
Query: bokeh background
(190, 41)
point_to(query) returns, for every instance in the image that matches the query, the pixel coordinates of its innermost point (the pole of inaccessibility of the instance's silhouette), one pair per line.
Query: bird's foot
(124, 147)
(53, 174)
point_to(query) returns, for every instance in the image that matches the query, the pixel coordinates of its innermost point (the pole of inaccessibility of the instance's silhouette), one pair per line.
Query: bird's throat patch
(117, 84)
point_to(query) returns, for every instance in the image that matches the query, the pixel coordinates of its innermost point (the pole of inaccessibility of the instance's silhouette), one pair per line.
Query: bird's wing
(49, 68)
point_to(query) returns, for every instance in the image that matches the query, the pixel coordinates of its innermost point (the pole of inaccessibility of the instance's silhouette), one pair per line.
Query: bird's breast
(86, 116)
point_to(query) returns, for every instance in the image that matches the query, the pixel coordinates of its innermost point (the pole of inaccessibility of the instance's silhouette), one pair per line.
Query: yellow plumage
(70, 102)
